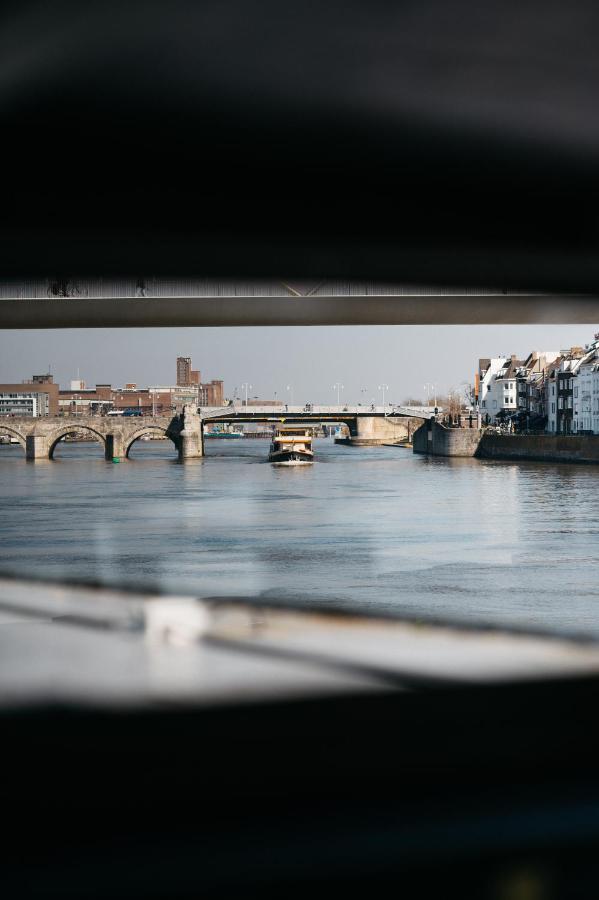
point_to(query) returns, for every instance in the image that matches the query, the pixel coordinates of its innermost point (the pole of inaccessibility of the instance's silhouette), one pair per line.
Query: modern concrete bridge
(174, 302)
(367, 425)
(39, 437)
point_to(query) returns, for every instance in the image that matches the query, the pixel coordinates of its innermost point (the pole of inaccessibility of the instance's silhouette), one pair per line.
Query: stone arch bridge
(39, 437)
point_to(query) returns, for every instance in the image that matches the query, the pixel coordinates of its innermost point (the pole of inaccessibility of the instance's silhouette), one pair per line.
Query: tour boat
(291, 447)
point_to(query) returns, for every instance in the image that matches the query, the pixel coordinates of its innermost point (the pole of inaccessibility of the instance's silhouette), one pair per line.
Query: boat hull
(291, 458)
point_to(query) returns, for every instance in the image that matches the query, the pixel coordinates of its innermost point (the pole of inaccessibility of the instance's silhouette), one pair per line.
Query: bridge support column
(191, 436)
(114, 447)
(372, 431)
(37, 447)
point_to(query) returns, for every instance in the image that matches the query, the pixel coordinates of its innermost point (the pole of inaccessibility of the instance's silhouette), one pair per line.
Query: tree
(468, 394)
(453, 405)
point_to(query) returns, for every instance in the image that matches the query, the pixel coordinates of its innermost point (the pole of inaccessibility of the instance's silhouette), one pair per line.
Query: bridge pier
(191, 436)
(37, 446)
(114, 447)
(372, 431)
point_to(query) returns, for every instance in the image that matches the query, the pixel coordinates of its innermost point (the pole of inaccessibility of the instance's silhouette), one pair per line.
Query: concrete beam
(175, 312)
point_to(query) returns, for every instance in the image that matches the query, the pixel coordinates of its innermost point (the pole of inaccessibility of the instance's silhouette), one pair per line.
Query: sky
(307, 360)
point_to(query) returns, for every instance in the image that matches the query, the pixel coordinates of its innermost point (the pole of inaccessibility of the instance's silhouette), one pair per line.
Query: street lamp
(338, 387)
(247, 387)
(430, 389)
(383, 388)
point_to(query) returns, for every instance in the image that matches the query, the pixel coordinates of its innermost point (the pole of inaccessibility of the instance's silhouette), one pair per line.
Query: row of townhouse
(555, 391)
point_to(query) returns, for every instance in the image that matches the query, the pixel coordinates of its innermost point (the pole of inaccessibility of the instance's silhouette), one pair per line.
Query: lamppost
(247, 387)
(430, 389)
(383, 388)
(338, 387)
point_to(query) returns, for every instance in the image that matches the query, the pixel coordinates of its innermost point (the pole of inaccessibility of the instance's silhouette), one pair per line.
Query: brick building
(185, 374)
(38, 397)
(210, 393)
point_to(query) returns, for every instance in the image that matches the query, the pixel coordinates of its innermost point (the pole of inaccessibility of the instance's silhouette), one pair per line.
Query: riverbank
(435, 439)
(568, 448)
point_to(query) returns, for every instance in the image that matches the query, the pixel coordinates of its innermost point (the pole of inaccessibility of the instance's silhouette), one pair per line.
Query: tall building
(184, 370)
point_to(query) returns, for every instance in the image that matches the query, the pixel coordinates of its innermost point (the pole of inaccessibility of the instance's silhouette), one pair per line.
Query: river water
(372, 528)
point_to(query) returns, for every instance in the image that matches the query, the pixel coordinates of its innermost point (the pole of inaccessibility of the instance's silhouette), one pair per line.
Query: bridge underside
(364, 430)
(92, 303)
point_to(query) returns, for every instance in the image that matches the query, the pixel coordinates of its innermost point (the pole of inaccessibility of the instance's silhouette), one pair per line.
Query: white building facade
(586, 392)
(497, 388)
(23, 404)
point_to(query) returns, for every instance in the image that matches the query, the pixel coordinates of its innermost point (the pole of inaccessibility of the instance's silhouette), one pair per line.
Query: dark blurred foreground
(425, 143)
(422, 143)
(161, 747)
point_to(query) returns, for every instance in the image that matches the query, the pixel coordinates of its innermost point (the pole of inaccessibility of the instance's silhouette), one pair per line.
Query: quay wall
(437, 440)
(572, 448)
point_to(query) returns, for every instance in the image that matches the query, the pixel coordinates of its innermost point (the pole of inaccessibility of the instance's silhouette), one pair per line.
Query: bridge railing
(364, 409)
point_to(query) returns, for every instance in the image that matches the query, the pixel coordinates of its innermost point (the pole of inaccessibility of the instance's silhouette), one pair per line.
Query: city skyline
(299, 364)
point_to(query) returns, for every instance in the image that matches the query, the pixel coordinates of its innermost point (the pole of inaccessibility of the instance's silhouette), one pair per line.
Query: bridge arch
(73, 428)
(150, 430)
(9, 429)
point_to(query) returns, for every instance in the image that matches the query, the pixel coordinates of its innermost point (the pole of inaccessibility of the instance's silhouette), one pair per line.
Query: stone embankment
(437, 440)
(569, 448)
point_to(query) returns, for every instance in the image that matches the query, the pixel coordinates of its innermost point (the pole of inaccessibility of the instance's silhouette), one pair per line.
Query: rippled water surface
(373, 528)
